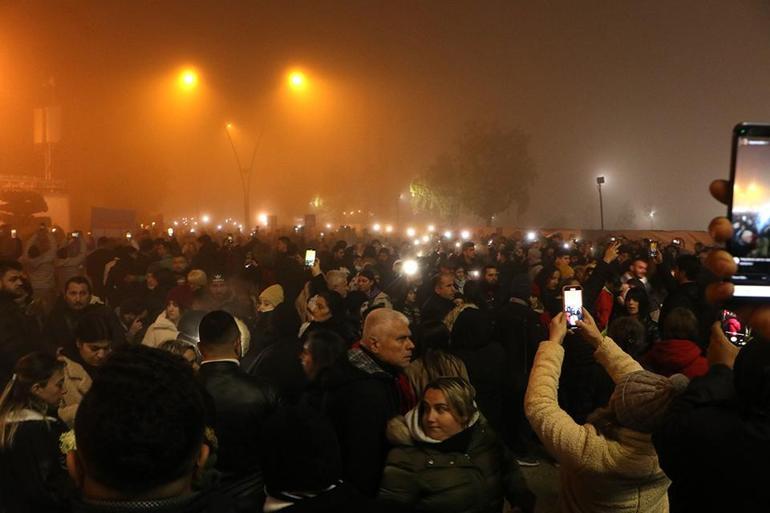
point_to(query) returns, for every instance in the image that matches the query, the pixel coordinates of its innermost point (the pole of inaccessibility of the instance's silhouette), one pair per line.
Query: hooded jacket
(719, 424)
(676, 356)
(470, 472)
(77, 382)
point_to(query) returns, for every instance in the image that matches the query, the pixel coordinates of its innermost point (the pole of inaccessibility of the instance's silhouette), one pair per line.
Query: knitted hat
(272, 295)
(641, 399)
(181, 295)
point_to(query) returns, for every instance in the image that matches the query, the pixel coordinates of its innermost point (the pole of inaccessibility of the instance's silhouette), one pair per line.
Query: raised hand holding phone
(573, 304)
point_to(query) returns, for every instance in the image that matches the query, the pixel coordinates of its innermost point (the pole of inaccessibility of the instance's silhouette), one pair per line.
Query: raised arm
(615, 361)
(566, 440)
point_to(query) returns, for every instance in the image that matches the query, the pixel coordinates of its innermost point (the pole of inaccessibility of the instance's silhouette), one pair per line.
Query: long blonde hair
(34, 368)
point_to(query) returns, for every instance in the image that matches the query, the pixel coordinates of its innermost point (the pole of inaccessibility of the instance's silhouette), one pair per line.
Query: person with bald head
(364, 390)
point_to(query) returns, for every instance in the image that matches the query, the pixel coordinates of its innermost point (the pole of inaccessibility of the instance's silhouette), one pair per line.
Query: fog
(644, 93)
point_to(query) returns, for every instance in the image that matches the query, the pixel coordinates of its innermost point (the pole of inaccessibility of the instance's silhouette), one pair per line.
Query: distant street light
(599, 182)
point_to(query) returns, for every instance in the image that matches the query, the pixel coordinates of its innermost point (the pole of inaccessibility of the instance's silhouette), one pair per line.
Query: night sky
(644, 93)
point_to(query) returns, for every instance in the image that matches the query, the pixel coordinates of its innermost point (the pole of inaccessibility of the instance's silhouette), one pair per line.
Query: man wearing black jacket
(19, 334)
(242, 404)
(364, 390)
(441, 300)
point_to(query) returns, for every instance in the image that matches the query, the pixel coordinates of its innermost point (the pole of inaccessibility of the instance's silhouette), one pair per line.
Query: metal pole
(601, 206)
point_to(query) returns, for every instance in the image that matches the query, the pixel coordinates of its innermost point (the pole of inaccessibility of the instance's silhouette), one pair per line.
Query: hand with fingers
(721, 263)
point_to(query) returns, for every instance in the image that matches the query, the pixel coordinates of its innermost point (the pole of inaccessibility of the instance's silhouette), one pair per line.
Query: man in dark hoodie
(715, 442)
(365, 389)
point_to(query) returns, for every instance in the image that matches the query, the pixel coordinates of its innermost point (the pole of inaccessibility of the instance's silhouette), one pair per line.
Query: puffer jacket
(423, 474)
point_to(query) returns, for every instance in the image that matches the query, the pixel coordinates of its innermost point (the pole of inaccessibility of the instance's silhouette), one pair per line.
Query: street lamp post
(245, 174)
(599, 182)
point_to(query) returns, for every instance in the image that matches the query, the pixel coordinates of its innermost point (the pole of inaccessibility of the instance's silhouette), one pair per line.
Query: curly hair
(142, 422)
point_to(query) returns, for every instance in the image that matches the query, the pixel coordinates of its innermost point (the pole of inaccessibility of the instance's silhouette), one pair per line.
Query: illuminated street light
(188, 79)
(531, 236)
(205, 218)
(410, 232)
(389, 229)
(262, 219)
(431, 228)
(376, 227)
(465, 234)
(297, 81)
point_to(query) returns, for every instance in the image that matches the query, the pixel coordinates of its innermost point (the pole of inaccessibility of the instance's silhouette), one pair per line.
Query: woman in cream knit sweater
(608, 464)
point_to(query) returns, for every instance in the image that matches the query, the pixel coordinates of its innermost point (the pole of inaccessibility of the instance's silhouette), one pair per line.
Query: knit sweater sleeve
(573, 445)
(615, 361)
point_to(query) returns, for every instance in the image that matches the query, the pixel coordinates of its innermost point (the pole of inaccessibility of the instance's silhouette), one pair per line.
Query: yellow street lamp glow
(410, 232)
(205, 218)
(229, 126)
(297, 81)
(188, 79)
(376, 227)
(389, 229)
(431, 228)
(262, 219)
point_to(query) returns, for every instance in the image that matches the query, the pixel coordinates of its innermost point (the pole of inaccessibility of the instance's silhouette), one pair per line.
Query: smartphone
(170, 232)
(13, 233)
(749, 211)
(309, 258)
(573, 304)
(676, 242)
(75, 235)
(736, 332)
(653, 248)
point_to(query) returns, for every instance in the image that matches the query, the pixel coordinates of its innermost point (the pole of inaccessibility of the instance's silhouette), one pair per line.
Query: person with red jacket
(678, 353)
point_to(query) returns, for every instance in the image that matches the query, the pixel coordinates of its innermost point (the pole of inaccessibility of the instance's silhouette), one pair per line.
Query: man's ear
(75, 468)
(372, 344)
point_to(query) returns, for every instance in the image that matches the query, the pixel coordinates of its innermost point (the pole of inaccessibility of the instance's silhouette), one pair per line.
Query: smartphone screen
(735, 331)
(573, 304)
(749, 211)
(653, 248)
(309, 257)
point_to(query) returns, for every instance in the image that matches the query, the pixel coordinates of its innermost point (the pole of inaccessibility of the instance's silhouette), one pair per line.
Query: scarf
(363, 360)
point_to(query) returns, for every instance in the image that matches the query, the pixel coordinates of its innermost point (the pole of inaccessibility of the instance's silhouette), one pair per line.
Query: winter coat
(675, 356)
(360, 399)
(19, 335)
(76, 383)
(160, 331)
(597, 473)
(40, 269)
(32, 473)
(470, 472)
(714, 448)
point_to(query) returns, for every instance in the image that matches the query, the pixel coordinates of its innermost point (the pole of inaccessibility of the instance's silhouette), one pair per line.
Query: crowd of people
(215, 372)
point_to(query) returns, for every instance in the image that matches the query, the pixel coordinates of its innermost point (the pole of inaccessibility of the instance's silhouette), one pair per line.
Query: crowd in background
(216, 372)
